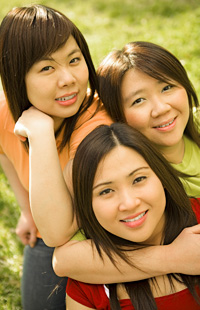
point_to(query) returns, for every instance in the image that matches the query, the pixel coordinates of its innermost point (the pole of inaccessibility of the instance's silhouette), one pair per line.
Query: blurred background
(106, 25)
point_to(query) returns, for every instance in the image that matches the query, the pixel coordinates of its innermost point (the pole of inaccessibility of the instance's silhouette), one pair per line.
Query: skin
(57, 85)
(149, 103)
(121, 195)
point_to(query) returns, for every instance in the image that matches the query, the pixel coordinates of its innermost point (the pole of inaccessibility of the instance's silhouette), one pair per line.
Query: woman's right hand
(183, 253)
(26, 229)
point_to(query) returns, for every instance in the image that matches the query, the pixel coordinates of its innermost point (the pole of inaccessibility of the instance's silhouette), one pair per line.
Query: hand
(26, 229)
(184, 251)
(32, 121)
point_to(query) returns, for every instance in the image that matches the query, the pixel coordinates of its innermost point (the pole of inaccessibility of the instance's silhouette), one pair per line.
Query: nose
(65, 77)
(160, 106)
(128, 200)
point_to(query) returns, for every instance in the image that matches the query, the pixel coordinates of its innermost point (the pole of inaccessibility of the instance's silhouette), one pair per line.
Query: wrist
(169, 264)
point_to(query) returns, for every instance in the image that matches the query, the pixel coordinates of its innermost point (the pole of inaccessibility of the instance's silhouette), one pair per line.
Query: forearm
(50, 199)
(82, 262)
(21, 194)
(79, 261)
(26, 229)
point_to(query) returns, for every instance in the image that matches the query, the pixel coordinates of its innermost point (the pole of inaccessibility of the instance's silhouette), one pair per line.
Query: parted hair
(27, 34)
(178, 211)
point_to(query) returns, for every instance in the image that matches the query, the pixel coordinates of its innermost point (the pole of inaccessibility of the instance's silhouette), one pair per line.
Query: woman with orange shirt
(45, 64)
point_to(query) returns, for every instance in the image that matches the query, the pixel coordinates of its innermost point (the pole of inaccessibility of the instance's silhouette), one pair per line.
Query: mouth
(166, 125)
(135, 218)
(66, 97)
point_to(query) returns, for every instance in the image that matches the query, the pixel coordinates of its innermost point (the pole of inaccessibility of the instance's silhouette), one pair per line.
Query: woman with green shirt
(147, 87)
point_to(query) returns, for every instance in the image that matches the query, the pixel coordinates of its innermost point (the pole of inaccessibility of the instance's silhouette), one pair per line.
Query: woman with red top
(128, 197)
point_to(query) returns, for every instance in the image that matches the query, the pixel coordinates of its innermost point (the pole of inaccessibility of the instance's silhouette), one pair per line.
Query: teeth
(135, 218)
(66, 98)
(162, 126)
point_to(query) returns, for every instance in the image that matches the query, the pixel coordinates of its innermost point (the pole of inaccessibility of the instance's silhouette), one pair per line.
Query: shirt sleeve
(79, 292)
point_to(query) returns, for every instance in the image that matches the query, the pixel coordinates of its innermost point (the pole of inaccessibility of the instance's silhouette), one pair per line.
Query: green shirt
(79, 236)
(190, 165)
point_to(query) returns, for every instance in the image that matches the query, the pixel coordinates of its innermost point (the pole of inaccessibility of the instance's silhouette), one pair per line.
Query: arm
(79, 261)
(26, 229)
(47, 187)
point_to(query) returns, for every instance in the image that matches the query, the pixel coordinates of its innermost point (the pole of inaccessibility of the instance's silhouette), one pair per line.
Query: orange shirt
(12, 147)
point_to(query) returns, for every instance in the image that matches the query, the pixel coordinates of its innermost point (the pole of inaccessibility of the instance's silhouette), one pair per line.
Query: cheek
(84, 75)
(103, 213)
(161, 198)
(33, 89)
(182, 102)
(136, 119)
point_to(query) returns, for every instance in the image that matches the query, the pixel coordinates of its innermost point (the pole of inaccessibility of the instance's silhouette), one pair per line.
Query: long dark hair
(154, 61)
(26, 35)
(178, 211)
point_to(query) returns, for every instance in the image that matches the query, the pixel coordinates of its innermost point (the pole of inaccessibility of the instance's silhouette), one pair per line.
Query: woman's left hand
(31, 123)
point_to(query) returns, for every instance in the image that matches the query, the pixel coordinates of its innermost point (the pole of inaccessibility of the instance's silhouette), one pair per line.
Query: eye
(105, 191)
(137, 101)
(167, 87)
(47, 68)
(139, 179)
(75, 60)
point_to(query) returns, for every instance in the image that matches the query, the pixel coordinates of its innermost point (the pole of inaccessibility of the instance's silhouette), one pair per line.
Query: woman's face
(159, 110)
(128, 198)
(57, 84)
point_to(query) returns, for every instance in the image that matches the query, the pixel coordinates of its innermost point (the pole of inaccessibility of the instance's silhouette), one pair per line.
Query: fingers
(24, 238)
(21, 138)
(32, 239)
(20, 131)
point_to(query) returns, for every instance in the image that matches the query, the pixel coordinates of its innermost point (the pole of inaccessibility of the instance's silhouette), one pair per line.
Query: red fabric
(94, 296)
(196, 207)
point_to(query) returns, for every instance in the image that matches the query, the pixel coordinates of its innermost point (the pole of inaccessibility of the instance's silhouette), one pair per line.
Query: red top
(96, 296)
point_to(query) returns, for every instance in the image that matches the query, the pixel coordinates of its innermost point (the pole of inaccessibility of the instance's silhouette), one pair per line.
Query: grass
(106, 25)
(10, 249)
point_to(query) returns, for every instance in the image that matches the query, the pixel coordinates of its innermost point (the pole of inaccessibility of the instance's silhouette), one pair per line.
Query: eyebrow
(52, 59)
(138, 91)
(133, 94)
(130, 174)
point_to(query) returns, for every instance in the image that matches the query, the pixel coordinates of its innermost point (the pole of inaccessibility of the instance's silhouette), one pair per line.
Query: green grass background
(106, 24)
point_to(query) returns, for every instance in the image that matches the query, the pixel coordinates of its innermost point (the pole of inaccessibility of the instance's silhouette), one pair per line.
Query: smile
(135, 218)
(66, 98)
(165, 125)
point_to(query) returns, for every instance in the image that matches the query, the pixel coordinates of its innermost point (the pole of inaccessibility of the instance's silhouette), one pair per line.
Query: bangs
(155, 61)
(46, 31)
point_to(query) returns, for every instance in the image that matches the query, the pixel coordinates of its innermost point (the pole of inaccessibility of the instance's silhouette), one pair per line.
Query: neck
(57, 123)
(174, 154)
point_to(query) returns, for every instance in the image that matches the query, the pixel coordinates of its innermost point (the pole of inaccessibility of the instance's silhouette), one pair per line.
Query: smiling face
(128, 198)
(57, 85)
(159, 110)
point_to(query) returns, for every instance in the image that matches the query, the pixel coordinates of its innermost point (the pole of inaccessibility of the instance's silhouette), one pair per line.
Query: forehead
(121, 160)
(70, 47)
(135, 78)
